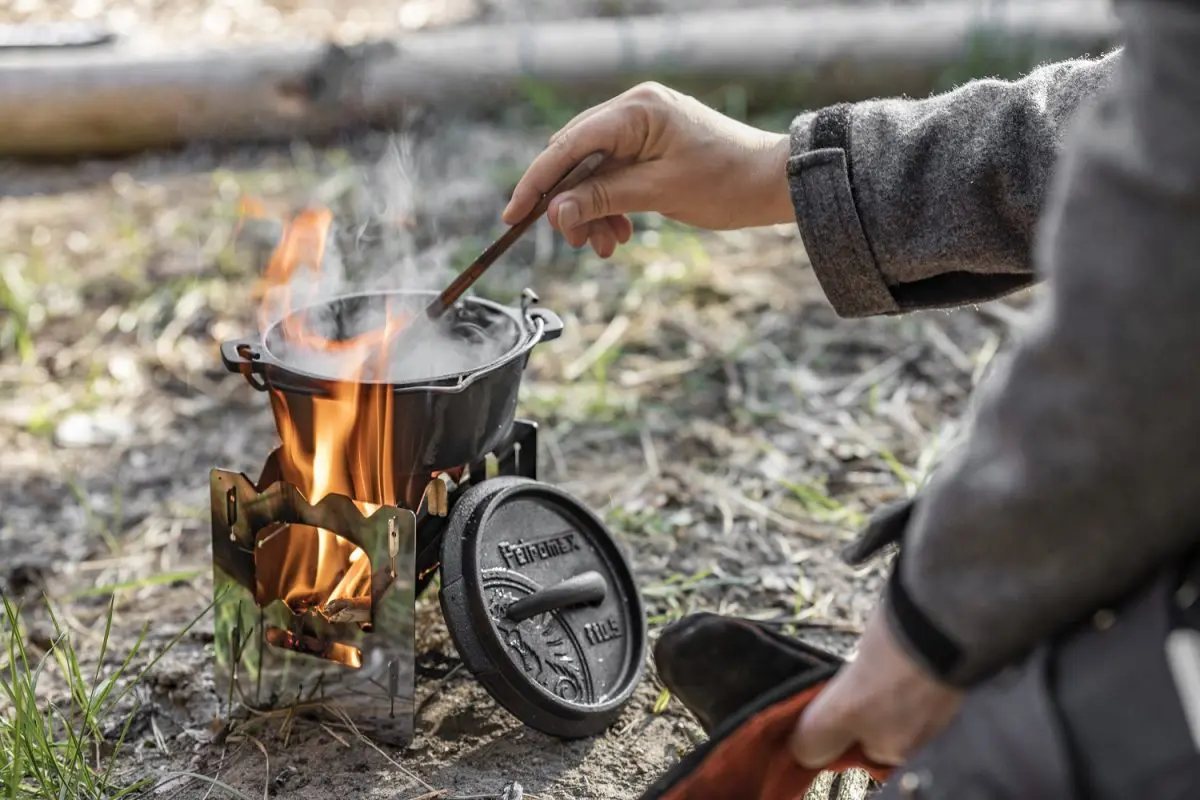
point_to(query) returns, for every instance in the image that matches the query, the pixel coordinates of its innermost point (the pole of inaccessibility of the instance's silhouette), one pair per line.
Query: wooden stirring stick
(450, 295)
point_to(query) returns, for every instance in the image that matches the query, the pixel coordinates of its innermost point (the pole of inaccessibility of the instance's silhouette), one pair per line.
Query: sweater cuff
(820, 175)
(930, 647)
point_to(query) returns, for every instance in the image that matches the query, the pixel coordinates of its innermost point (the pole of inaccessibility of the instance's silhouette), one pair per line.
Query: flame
(310, 645)
(310, 569)
(346, 444)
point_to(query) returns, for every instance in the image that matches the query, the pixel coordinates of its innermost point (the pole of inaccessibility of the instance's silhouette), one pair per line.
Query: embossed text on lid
(542, 606)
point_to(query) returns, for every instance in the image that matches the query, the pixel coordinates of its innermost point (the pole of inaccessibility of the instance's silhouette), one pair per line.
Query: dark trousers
(1110, 711)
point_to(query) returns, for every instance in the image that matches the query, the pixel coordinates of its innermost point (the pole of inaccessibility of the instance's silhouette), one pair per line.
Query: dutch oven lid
(542, 606)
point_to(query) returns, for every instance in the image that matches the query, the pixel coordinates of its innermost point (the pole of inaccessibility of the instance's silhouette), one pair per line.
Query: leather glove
(747, 685)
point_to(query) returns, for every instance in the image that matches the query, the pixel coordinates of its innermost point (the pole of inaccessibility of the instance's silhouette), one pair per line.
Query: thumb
(623, 191)
(822, 733)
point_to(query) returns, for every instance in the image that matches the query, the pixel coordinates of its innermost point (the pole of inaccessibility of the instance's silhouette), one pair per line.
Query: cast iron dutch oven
(438, 423)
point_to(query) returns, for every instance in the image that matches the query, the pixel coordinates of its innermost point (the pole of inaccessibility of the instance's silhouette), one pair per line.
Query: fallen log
(126, 97)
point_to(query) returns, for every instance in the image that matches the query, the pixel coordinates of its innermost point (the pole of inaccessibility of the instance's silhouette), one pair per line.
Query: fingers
(889, 724)
(578, 236)
(603, 234)
(566, 150)
(610, 128)
(608, 194)
(580, 117)
(882, 701)
(622, 227)
(883, 756)
(602, 237)
(823, 732)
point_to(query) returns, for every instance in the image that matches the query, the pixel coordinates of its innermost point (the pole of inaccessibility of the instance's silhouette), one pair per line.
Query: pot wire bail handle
(552, 324)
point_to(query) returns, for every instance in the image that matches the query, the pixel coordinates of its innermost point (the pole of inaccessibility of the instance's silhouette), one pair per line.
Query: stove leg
(519, 457)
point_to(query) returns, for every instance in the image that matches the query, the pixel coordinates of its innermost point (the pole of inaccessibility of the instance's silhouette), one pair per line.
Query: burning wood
(309, 569)
(437, 495)
(346, 609)
(312, 646)
(297, 608)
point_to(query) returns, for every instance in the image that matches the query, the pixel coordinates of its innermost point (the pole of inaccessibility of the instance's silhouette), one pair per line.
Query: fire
(346, 443)
(334, 579)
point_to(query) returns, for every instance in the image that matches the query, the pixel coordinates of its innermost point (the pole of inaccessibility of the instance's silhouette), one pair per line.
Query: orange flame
(337, 574)
(346, 445)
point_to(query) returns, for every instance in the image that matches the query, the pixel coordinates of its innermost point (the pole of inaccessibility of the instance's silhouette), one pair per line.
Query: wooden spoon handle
(406, 337)
(449, 296)
(578, 174)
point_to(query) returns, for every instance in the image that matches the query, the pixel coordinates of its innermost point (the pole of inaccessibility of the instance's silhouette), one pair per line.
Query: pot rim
(531, 323)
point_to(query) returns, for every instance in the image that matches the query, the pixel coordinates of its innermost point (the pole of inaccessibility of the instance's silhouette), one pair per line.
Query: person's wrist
(774, 186)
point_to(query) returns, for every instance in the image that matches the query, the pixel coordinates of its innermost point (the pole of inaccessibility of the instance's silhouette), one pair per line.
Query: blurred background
(704, 399)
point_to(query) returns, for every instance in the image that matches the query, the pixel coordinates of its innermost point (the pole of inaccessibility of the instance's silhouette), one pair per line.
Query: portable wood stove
(315, 603)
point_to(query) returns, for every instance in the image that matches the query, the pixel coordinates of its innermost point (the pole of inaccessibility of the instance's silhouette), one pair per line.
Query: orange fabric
(755, 761)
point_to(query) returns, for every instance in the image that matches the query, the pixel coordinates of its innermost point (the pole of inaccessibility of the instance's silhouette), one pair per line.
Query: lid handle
(587, 588)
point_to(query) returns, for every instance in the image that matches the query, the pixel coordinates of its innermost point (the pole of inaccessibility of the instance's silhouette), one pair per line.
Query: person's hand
(881, 700)
(667, 153)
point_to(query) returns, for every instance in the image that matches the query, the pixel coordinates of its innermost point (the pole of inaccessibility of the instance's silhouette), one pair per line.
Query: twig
(349, 723)
(554, 448)
(607, 340)
(285, 727)
(333, 733)
(171, 776)
(719, 488)
(1004, 313)
(662, 371)
(640, 722)
(874, 375)
(437, 688)
(649, 452)
(267, 759)
(159, 740)
(983, 359)
(220, 766)
(727, 522)
(938, 338)
(628, 489)
(77, 626)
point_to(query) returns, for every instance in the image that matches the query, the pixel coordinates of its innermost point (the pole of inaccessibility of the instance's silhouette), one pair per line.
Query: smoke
(395, 242)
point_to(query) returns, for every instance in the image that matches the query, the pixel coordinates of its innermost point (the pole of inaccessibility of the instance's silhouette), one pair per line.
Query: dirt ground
(704, 399)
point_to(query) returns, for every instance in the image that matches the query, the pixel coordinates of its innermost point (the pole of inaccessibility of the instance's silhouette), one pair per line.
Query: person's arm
(1081, 476)
(908, 204)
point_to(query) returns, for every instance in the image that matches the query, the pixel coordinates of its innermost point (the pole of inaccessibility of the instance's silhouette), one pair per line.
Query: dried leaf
(664, 699)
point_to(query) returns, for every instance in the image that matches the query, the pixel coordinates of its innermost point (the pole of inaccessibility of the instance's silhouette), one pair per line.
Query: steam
(386, 256)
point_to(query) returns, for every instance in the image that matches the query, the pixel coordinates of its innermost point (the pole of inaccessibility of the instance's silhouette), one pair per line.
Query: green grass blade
(54, 751)
(108, 620)
(139, 583)
(174, 641)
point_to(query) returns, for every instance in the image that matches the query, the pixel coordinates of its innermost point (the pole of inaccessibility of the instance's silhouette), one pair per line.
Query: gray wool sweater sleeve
(907, 204)
(1081, 474)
